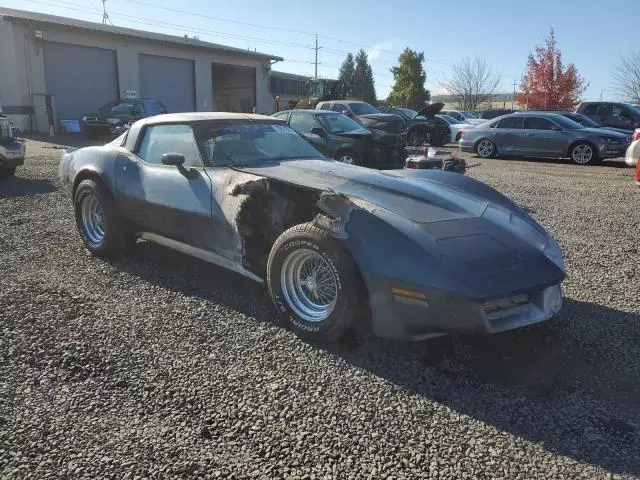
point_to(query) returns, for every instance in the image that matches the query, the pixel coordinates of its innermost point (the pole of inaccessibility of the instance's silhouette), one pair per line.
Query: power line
(105, 15)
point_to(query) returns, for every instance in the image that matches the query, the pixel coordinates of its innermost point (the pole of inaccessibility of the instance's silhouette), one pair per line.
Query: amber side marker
(401, 292)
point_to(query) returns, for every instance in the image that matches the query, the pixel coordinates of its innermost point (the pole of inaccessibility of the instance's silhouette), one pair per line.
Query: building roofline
(10, 13)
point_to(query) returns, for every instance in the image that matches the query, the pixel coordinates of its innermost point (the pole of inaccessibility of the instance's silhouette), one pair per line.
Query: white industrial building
(77, 66)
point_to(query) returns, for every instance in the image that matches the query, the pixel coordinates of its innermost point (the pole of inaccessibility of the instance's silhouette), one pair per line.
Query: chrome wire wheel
(485, 148)
(346, 158)
(93, 219)
(309, 285)
(582, 154)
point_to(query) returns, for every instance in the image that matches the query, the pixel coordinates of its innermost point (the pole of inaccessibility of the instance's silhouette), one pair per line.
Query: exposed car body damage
(471, 259)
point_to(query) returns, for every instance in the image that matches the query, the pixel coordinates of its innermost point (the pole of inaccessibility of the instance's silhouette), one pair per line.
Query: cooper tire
(348, 157)
(7, 172)
(108, 235)
(295, 301)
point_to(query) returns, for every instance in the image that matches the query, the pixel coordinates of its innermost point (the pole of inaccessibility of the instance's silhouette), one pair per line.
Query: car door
(543, 137)
(303, 123)
(509, 134)
(171, 201)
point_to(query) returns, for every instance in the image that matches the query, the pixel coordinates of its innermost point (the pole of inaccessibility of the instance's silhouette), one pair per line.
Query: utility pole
(514, 92)
(105, 15)
(316, 49)
(601, 92)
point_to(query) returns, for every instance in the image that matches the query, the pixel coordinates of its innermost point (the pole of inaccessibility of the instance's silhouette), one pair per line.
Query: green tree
(363, 84)
(408, 89)
(345, 77)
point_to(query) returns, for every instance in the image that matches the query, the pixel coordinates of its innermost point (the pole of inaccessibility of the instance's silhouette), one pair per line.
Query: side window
(605, 110)
(338, 107)
(154, 108)
(618, 111)
(281, 115)
(591, 110)
(537, 123)
(302, 122)
(512, 122)
(161, 139)
(138, 109)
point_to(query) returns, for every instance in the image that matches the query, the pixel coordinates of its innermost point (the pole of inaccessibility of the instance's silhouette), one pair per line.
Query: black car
(408, 253)
(110, 118)
(366, 115)
(12, 150)
(494, 112)
(338, 136)
(589, 123)
(423, 126)
(611, 114)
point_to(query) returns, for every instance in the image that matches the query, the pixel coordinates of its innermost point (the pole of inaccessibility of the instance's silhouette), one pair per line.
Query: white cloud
(374, 52)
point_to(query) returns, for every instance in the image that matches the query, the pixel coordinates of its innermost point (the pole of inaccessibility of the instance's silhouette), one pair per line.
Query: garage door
(82, 79)
(169, 80)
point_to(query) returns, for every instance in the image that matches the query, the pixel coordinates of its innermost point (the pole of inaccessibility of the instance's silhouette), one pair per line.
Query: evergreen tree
(410, 77)
(363, 84)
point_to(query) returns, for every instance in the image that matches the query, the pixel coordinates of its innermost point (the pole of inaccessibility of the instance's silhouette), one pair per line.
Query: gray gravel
(161, 366)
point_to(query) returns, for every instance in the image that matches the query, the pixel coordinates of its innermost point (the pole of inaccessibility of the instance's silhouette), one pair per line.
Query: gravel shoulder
(157, 365)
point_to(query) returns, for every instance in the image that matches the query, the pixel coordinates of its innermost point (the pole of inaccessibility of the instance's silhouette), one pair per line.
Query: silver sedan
(541, 134)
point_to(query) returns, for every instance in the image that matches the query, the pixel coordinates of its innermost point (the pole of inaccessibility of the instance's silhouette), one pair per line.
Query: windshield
(362, 108)
(469, 115)
(407, 112)
(338, 123)
(249, 143)
(448, 119)
(635, 110)
(118, 107)
(567, 123)
(582, 120)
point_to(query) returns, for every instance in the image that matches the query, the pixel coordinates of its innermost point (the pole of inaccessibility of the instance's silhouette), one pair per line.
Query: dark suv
(423, 126)
(110, 118)
(611, 114)
(366, 115)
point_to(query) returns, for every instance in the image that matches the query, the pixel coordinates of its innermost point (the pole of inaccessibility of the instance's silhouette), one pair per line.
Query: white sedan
(456, 126)
(463, 117)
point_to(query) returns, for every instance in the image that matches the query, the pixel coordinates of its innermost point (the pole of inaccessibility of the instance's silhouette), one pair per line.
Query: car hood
(623, 131)
(359, 133)
(603, 131)
(430, 110)
(418, 200)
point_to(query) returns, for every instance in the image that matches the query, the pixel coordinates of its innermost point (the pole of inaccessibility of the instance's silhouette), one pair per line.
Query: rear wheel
(583, 153)
(439, 140)
(486, 148)
(313, 283)
(416, 138)
(7, 172)
(100, 224)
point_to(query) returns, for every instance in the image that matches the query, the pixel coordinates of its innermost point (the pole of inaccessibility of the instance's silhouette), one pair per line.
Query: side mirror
(319, 131)
(174, 159)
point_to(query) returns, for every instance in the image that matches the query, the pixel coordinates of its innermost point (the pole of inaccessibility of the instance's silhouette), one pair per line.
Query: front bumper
(615, 150)
(400, 317)
(12, 155)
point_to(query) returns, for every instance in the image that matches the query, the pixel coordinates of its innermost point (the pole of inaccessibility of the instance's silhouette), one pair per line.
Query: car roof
(202, 116)
(347, 102)
(307, 110)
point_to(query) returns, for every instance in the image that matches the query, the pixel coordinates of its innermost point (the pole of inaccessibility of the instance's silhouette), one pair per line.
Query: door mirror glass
(319, 131)
(173, 158)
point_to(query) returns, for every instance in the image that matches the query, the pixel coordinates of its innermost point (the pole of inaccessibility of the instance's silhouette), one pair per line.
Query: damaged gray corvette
(419, 252)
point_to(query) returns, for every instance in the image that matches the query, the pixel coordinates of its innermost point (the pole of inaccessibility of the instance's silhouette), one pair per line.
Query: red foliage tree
(547, 84)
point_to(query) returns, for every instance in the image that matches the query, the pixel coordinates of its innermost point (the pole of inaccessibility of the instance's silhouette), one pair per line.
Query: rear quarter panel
(96, 162)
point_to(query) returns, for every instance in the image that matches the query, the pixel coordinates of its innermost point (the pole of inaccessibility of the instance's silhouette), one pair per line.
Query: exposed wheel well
(84, 175)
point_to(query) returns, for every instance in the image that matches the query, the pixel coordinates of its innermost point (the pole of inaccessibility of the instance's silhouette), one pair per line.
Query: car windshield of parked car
(244, 143)
(567, 123)
(338, 123)
(450, 120)
(362, 109)
(469, 115)
(408, 112)
(119, 108)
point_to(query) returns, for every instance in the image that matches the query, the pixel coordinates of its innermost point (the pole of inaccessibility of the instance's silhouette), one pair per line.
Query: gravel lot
(161, 366)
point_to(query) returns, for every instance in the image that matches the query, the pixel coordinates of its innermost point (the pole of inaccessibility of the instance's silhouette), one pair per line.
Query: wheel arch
(90, 174)
(588, 142)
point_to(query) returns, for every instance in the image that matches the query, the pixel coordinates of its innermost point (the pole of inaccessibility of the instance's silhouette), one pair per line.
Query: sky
(591, 35)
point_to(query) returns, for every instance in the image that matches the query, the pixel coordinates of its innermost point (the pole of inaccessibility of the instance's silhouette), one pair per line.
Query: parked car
(339, 137)
(543, 134)
(463, 117)
(113, 116)
(331, 241)
(632, 154)
(366, 115)
(422, 126)
(589, 123)
(494, 112)
(455, 126)
(611, 114)
(12, 151)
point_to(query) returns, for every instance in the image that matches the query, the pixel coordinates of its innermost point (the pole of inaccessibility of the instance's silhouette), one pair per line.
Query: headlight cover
(113, 120)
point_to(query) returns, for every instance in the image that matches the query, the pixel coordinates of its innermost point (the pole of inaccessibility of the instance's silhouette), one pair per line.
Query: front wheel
(348, 157)
(313, 283)
(486, 148)
(7, 172)
(583, 154)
